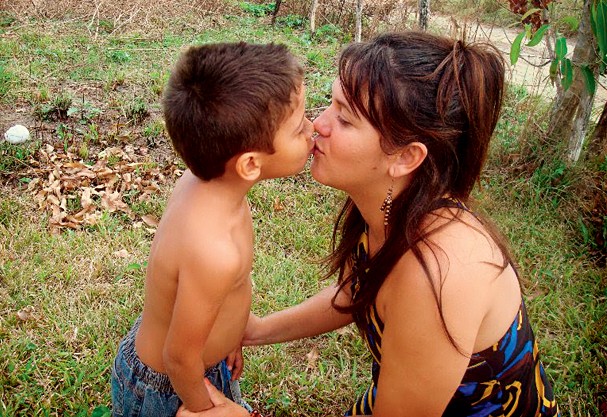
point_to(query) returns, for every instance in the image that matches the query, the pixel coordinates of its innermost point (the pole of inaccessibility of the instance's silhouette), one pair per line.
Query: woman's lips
(316, 148)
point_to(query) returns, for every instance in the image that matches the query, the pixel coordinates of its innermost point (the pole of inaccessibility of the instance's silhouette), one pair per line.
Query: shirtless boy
(235, 115)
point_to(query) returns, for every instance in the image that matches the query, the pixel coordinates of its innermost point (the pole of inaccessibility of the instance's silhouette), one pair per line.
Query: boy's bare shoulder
(203, 232)
(209, 249)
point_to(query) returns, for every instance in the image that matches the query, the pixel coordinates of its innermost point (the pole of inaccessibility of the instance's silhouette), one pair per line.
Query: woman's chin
(317, 175)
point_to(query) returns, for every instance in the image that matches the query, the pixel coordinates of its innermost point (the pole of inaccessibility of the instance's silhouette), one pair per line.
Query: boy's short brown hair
(228, 98)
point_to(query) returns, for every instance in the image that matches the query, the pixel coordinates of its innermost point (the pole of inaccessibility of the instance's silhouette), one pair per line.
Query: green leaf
(599, 15)
(554, 65)
(589, 79)
(571, 21)
(537, 37)
(530, 12)
(560, 49)
(515, 50)
(101, 411)
(593, 9)
(566, 73)
(594, 16)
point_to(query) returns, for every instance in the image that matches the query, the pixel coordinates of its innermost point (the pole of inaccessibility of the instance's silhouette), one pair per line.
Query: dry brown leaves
(76, 194)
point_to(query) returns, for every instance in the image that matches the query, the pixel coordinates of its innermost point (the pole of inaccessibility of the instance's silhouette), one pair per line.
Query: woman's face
(347, 152)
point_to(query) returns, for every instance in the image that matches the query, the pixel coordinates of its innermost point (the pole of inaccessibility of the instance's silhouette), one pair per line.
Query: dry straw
(119, 13)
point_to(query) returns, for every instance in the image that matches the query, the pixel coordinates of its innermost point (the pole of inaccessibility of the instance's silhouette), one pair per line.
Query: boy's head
(226, 99)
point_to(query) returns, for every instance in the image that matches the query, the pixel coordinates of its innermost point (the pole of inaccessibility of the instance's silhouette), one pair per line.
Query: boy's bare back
(198, 288)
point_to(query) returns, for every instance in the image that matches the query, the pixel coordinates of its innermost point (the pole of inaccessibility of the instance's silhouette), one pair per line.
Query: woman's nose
(320, 124)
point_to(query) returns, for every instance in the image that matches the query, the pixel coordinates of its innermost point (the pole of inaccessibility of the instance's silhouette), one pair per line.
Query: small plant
(86, 111)
(83, 150)
(292, 21)
(119, 56)
(115, 81)
(65, 135)
(329, 33)
(62, 104)
(258, 10)
(91, 135)
(41, 95)
(16, 156)
(106, 25)
(136, 111)
(159, 80)
(6, 19)
(551, 180)
(152, 132)
(57, 109)
(7, 79)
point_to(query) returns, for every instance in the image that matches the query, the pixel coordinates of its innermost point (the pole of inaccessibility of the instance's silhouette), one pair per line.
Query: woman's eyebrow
(345, 106)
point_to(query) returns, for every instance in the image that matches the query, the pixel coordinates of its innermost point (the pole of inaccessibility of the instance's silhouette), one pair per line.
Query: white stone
(17, 134)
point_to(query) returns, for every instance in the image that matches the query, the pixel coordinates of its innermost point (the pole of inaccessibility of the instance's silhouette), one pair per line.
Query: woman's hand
(222, 407)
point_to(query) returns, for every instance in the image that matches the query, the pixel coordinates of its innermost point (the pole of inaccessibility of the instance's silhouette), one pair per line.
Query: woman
(431, 287)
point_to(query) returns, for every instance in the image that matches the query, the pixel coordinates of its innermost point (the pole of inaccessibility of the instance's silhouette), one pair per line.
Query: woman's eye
(342, 120)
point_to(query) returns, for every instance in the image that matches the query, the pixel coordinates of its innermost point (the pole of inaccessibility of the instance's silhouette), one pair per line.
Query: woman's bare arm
(312, 317)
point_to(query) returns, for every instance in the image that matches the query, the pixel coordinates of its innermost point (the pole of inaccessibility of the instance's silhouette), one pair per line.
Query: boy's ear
(248, 166)
(408, 159)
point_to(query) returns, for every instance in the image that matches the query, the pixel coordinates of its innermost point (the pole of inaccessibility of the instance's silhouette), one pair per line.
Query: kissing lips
(316, 149)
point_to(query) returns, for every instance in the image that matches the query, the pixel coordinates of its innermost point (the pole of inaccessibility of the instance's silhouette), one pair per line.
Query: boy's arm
(205, 279)
(314, 316)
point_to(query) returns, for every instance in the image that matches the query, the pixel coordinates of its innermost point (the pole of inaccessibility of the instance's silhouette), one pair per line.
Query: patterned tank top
(506, 379)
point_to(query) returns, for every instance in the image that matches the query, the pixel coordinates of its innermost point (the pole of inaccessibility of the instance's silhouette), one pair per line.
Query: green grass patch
(67, 299)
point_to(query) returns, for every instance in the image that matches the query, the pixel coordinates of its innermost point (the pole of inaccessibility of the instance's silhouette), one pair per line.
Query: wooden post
(359, 20)
(424, 13)
(313, 16)
(276, 8)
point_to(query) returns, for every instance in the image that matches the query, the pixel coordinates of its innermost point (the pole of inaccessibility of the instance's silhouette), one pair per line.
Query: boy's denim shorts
(138, 390)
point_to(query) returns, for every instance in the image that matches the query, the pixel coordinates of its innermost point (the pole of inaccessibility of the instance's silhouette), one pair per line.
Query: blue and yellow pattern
(505, 380)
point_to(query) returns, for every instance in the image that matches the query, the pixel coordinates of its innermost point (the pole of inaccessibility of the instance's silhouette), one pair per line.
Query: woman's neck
(373, 217)
(369, 202)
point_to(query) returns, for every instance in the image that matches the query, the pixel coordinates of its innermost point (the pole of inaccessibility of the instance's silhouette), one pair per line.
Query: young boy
(235, 115)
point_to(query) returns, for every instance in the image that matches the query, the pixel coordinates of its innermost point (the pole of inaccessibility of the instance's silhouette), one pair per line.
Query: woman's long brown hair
(417, 87)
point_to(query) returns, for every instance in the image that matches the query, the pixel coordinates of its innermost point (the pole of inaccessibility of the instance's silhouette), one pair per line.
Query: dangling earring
(386, 206)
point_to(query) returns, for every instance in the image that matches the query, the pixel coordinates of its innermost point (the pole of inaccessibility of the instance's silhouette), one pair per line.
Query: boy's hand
(222, 407)
(235, 363)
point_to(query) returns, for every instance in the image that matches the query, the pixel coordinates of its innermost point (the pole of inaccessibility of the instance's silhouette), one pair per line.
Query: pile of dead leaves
(76, 193)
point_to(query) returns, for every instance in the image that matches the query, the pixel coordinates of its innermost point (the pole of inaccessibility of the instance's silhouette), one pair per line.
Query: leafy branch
(560, 64)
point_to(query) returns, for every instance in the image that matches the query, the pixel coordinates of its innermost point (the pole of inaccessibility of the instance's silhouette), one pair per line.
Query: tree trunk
(313, 16)
(571, 109)
(598, 141)
(359, 20)
(276, 8)
(424, 13)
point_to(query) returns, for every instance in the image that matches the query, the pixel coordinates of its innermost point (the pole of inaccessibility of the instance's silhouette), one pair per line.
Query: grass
(66, 299)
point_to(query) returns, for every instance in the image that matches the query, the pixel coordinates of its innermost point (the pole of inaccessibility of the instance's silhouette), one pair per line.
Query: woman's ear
(408, 159)
(248, 166)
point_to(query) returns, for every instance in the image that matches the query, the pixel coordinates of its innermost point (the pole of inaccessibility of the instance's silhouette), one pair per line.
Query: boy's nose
(309, 128)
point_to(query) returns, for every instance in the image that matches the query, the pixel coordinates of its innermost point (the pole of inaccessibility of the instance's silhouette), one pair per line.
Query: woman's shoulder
(457, 256)
(461, 237)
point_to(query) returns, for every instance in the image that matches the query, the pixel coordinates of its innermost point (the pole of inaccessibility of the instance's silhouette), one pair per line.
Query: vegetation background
(80, 201)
